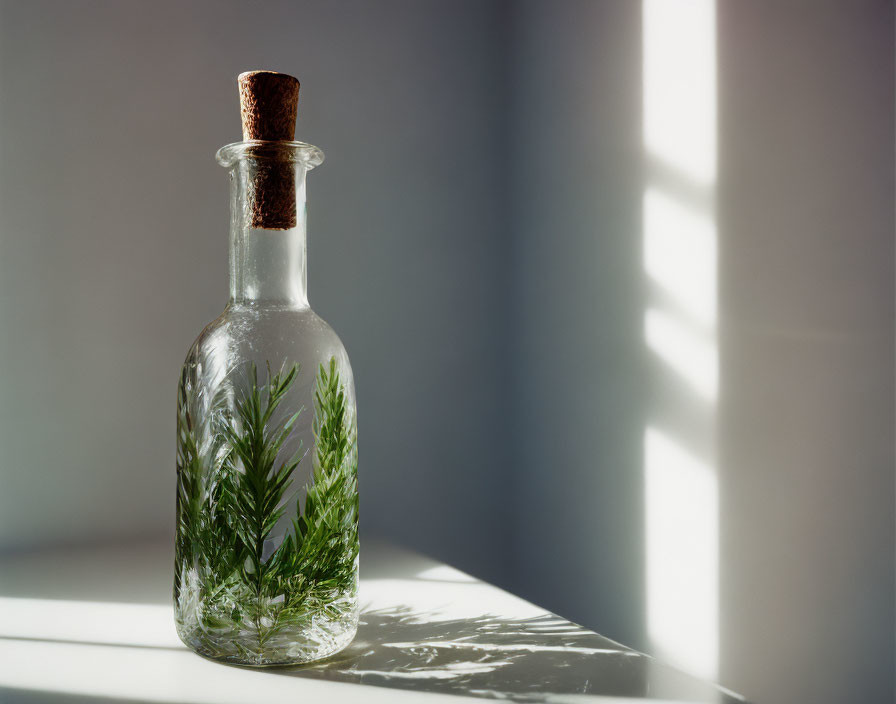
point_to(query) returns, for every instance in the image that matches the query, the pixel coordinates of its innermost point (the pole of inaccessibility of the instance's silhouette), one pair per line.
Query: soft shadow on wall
(579, 355)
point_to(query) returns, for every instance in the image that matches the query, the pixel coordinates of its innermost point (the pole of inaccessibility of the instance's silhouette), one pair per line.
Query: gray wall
(801, 437)
(113, 250)
(578, 368)
(807, 356)
(476, 238)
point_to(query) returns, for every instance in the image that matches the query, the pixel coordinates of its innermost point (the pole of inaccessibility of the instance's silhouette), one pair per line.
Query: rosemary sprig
(323, 547)
(202, 537)
(256, 485)
(232, 494)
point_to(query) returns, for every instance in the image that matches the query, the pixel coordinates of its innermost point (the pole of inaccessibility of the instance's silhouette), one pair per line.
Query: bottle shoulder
(251, 321)
(269, 335)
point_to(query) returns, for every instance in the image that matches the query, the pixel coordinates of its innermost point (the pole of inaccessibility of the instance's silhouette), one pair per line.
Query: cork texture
(268, 108)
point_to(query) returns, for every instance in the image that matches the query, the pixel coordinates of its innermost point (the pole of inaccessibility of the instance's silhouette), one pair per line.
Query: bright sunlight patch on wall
(679, 85)
(682, 530)
(681, 492)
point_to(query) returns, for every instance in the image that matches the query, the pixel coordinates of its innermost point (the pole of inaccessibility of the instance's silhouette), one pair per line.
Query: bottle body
(266, 568)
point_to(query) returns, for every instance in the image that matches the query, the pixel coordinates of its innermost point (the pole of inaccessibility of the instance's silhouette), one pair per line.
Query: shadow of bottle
(536, 659)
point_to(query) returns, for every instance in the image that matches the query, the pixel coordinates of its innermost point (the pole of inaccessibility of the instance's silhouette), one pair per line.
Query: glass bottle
(266, 566)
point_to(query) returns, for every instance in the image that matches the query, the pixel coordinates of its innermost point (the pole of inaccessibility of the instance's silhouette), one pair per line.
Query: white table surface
(97, 626)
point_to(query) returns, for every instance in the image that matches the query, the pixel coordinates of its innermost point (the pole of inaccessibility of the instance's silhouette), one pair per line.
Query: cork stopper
(268, 107)
(269, 102)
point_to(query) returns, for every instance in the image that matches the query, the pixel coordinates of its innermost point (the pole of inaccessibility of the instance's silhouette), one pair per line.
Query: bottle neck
(267, 266)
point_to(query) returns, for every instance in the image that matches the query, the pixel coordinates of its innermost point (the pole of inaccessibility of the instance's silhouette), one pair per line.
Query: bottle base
(287, 648)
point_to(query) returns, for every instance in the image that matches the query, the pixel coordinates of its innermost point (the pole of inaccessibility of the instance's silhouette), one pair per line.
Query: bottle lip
(302, 153)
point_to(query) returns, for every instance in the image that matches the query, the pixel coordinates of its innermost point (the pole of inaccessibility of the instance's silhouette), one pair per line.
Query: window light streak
(682, 556)
(692, 358)
(163, 675)
(680, 85)
(680, 254)
(88, 621)
(445, 573)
